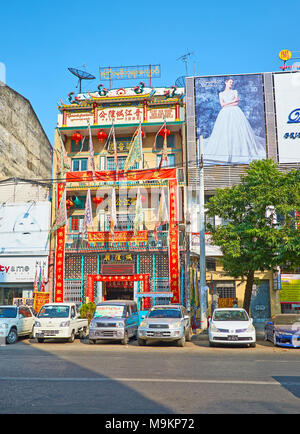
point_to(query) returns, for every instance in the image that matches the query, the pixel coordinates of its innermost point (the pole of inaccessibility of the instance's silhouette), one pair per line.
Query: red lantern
(143, 198)
(102, 136)
(164, 132)
(142, 133)
(69, 203)
(97, 200)
(77, 137)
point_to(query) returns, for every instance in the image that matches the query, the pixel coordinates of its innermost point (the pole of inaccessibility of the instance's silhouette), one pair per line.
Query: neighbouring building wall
(25, 150)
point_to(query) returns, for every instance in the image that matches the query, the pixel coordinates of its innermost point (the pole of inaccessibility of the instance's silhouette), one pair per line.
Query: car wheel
(92, 341)
(83, 333)
(189, 335)
(72, 337)
(12, 337)
(126, 339)
(40, 340)
(212, 344)
(141, 342)
(181, 342)
(253, 344)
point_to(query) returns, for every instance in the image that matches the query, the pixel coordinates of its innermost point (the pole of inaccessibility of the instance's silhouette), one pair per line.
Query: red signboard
(59, 254)
(173, 240)
(131, 175)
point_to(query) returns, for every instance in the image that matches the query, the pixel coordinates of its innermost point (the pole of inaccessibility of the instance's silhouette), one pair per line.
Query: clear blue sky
(39, 40)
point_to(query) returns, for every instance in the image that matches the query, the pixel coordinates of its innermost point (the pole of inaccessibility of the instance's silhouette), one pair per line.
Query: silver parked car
(114, 320)
(166, 323)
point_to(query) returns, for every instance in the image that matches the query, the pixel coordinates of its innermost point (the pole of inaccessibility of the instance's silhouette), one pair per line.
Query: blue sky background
(39, 40)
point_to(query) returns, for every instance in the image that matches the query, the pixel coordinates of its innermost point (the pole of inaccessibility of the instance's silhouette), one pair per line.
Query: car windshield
(230, 315)
(54, 312)
(164, 313)
(286, 319)
(8, 312)
(111, 311)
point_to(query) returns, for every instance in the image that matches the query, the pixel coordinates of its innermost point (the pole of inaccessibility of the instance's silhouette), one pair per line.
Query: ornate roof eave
(151, 100)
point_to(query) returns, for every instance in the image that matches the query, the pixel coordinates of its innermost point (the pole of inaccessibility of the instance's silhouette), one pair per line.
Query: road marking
(150, 380)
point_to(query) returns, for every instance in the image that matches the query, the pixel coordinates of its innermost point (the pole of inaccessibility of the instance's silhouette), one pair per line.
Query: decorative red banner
(173, 240)
(118, 237)
(59, 254)
(131, 175)
(92, 278)
(40, 298)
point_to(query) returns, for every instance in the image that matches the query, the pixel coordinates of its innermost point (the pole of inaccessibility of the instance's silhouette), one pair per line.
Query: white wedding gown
(232, 139)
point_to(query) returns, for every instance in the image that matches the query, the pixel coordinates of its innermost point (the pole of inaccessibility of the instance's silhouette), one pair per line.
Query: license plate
(232, 337)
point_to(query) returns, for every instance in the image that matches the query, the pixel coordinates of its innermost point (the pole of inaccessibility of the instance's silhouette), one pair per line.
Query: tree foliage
(260, 230)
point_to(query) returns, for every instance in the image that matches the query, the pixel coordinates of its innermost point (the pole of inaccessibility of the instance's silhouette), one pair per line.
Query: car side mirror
(269, 323)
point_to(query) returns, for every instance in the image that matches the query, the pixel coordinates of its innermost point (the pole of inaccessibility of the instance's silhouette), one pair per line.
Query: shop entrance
(11, 291)
(118, 290)
(114, 287)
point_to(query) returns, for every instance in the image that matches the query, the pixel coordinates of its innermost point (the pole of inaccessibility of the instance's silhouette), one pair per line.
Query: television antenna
(184, 58)
(82, 75)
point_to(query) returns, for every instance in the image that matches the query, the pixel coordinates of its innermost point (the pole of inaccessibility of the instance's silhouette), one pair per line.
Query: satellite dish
(180, 81)
(82, 75)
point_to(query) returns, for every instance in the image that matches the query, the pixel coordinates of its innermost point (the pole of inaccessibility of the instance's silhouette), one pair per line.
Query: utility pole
(203, 286)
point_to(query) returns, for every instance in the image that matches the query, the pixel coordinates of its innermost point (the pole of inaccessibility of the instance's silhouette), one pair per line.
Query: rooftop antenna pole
(184, 58)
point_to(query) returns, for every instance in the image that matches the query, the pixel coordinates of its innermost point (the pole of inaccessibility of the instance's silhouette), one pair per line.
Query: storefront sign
(173, 240)
(290, 288)
(287, 89)
(129, 72)
(23, 302)
(120, 115)
(21, 269)
(119, 237)
(159, 115)
(79, 119)
(81, 179)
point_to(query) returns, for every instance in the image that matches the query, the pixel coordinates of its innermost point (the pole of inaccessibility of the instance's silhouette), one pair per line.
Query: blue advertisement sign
(230, 117)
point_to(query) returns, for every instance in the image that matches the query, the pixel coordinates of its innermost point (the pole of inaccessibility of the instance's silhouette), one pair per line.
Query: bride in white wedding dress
(232, 139)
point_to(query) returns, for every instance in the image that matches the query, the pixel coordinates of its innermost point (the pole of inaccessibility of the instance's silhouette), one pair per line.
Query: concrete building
(98, 266)
(266, 107)
(25, 198)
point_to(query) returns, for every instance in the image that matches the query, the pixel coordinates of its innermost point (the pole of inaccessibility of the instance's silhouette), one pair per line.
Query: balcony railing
(75, 242)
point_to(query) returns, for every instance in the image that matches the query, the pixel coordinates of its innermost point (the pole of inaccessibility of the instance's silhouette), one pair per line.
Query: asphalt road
(159, 379)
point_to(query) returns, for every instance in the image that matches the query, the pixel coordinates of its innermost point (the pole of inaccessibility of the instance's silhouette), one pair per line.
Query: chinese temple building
(118, 200)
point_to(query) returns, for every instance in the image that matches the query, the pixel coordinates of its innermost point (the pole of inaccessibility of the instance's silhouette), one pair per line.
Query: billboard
(230, 116)
(24, 227)
(287, 103)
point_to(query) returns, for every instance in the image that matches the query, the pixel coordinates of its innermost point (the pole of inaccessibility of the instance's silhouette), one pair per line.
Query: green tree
(87, 311)
(260, 230)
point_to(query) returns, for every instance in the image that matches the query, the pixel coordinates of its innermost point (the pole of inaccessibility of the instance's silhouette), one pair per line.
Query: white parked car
(15, 321)
(59, 321)
(231, 326)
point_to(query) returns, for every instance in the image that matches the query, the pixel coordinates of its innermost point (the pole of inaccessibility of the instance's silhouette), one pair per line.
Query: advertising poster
(24, 227)
(290, 288)
(230, 117)
(287, 102)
